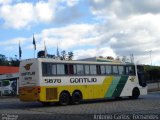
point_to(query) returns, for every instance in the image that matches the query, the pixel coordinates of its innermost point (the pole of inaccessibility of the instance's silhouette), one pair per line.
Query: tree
(63, 55)
(70, 55)
(11, 62)
(110, 58)
(14, 62)
(3, 60)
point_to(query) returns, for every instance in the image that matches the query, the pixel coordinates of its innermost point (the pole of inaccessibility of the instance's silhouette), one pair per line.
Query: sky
(89, 28)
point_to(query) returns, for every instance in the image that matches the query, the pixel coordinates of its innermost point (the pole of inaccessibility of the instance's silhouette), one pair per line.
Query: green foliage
(11, 62)
(65, 56)
(3, 60)
(152, 73)
(149, 68)
(70, 55)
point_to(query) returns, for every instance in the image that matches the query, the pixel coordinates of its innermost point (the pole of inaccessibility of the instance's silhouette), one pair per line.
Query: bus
(48, 80)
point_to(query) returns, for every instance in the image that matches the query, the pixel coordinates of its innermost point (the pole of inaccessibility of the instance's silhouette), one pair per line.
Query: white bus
(47, 80)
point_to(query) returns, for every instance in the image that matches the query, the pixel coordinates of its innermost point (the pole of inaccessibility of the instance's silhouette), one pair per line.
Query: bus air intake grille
(51, 93)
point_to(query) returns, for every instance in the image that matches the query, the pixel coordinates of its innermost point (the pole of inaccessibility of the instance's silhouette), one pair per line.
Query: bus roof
(75, 61)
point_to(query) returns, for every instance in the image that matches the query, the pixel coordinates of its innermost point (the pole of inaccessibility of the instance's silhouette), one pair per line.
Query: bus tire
(76, 97)
(135, 93)
(64, 98)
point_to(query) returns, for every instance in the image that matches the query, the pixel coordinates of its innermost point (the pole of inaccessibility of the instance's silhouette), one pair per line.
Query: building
(8, 70)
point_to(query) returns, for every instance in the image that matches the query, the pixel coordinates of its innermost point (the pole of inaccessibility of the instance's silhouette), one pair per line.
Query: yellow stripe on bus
(88, 91)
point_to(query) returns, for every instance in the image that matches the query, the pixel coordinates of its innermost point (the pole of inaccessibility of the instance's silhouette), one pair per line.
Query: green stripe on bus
(112, 87)
(120, 86)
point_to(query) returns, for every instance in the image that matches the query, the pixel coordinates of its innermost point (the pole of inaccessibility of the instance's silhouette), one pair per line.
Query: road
(96, 109)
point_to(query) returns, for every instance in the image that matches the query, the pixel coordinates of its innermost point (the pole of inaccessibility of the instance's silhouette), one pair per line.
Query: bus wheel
(76, 98)
(64, 98)
(135, 93)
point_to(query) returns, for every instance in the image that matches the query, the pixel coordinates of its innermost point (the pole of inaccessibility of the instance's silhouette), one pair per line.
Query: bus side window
(103, 70)
(127, 70)
(60, 69)
(75, 69)
(98, 69)
(66, 69)
(70, 69)
(121, 70)
(115, 70)
(86, 69)
(49, 69)
(46, 69)
(80, 70)
(108, 69)
(131, 70)
(53, 69)
(93, 69)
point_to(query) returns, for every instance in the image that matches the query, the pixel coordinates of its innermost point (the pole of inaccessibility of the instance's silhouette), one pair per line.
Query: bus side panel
(120, 86)
(88, 91)
(52, 93)
(99, 91)
(108, 88)
(131, 83)
(112, 87)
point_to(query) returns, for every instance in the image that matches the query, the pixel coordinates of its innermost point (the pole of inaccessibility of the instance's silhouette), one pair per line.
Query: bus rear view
(29, 88)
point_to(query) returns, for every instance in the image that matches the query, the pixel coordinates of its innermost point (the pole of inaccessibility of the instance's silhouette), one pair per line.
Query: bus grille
(51, 93)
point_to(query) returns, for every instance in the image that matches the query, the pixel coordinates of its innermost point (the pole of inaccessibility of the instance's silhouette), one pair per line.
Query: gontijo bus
(47, 80)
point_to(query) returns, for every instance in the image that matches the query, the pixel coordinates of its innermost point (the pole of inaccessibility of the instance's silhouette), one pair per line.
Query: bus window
(115, 69)
(140, 68)
(127, 70)
(46, 69)
(121, 70)
(66, 69)
(71, 69)
(53, 69)
(93, 69)
(80, 70)
(131, 70)
(75, 69)
(103, 70)
(60, 69)
(98, 69)
(108, 69)
(86, 68)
